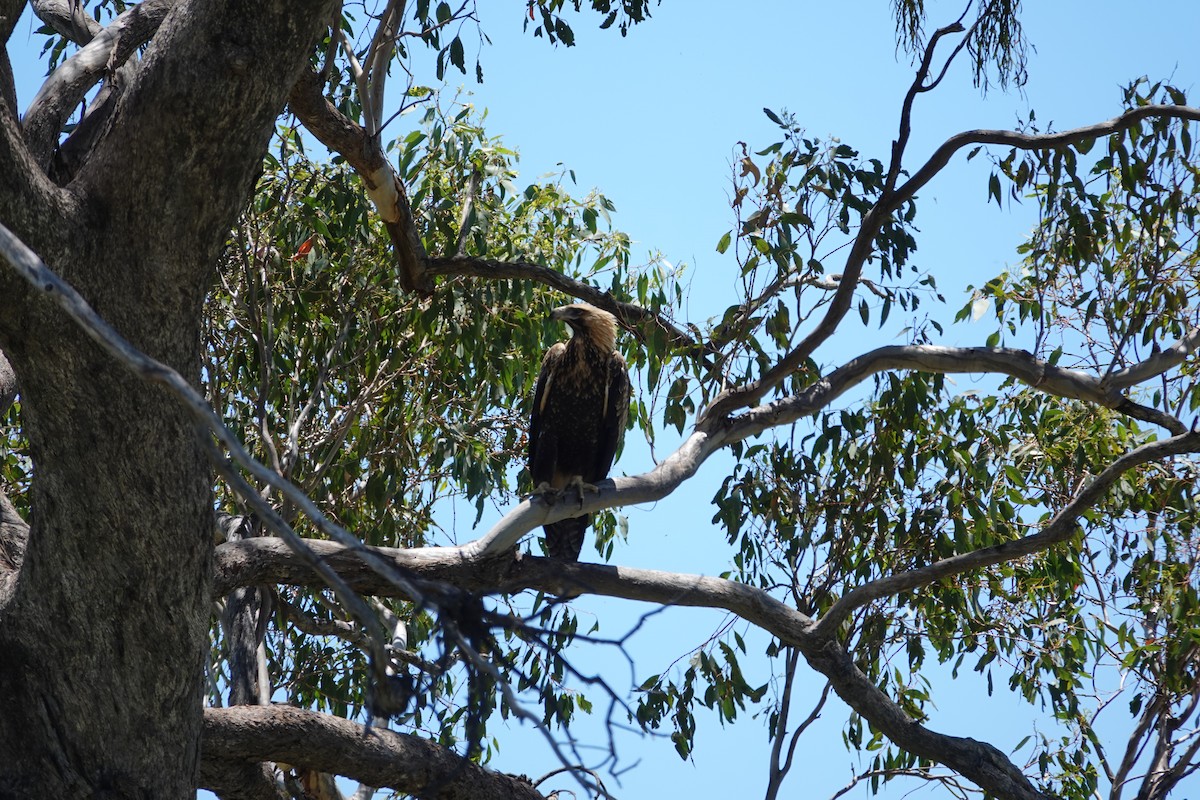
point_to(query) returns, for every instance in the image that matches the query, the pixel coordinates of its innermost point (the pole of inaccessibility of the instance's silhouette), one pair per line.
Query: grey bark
(244, 620)
(103, 640)
(378, 757)
(8, 385)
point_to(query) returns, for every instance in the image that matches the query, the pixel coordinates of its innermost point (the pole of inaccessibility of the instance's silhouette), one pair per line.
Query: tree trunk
(103, 642)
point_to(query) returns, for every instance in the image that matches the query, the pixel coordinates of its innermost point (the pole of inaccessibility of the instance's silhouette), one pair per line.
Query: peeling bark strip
(375, 756)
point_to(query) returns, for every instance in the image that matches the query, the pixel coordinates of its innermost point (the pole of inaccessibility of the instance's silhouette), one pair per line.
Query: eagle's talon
(544, 492)
(579, 485)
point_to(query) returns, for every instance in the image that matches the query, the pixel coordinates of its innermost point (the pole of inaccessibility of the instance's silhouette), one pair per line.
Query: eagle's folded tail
(564, 539)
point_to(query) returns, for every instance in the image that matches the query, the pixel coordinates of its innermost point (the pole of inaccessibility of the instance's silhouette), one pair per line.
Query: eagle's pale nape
(579, 411)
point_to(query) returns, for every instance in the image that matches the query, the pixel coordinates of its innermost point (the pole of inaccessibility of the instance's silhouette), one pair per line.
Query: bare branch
(1020, 364)
(684, 462)
(1158, 363)
(918, 86)
(379, 54)
(69, 18)
(321, 627)
(374, 756)
(977, 761)
(1022, 141)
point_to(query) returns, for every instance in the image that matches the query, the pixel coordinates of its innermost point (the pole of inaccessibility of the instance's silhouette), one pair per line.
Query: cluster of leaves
(391, 410)
(1109, 272)
(995, 40)
(794, 213)
(1110, 276)
(545, 19)
(715, 670)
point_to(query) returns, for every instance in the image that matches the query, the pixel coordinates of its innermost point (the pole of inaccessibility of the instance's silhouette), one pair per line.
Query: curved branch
(365, 155)
(1023, 141)
(918, 86)
(684, 462)
(1020, 364)
(323, 743)
(1158, 363)
(977, 761)
(1057, 530)
(750, 393)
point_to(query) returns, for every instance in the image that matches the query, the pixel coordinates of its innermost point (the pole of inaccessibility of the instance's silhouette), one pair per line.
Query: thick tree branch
(1063, 525)
(375, 756)
(873, 221)
(67, 86)
(684, 462)
(194, 125)
(364, 153)
(259, 560)
(67, 17)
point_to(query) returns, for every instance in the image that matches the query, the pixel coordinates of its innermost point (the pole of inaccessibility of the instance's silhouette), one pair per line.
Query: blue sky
(652, 121)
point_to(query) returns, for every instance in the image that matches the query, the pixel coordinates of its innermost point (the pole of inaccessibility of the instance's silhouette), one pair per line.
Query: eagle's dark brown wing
(616, 410)
(542, 469)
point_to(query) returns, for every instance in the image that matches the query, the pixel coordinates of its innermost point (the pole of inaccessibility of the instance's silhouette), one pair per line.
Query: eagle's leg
(577, 483)
(546, 492)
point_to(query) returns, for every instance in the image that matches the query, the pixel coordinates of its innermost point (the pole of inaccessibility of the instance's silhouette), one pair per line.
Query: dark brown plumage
(579, 411)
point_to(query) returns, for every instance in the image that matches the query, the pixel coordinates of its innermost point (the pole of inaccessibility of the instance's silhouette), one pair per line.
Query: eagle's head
(595, 325)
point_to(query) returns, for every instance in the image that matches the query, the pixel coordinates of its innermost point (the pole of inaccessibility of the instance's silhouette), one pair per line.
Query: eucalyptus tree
(247, 383)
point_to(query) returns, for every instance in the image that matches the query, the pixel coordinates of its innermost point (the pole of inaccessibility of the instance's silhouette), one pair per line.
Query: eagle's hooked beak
(564, 313)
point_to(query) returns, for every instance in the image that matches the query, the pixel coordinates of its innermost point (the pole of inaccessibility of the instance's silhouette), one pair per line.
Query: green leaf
(994, 189)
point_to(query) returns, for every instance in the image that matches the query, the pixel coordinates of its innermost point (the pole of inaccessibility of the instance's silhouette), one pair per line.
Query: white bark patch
(383, 188)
